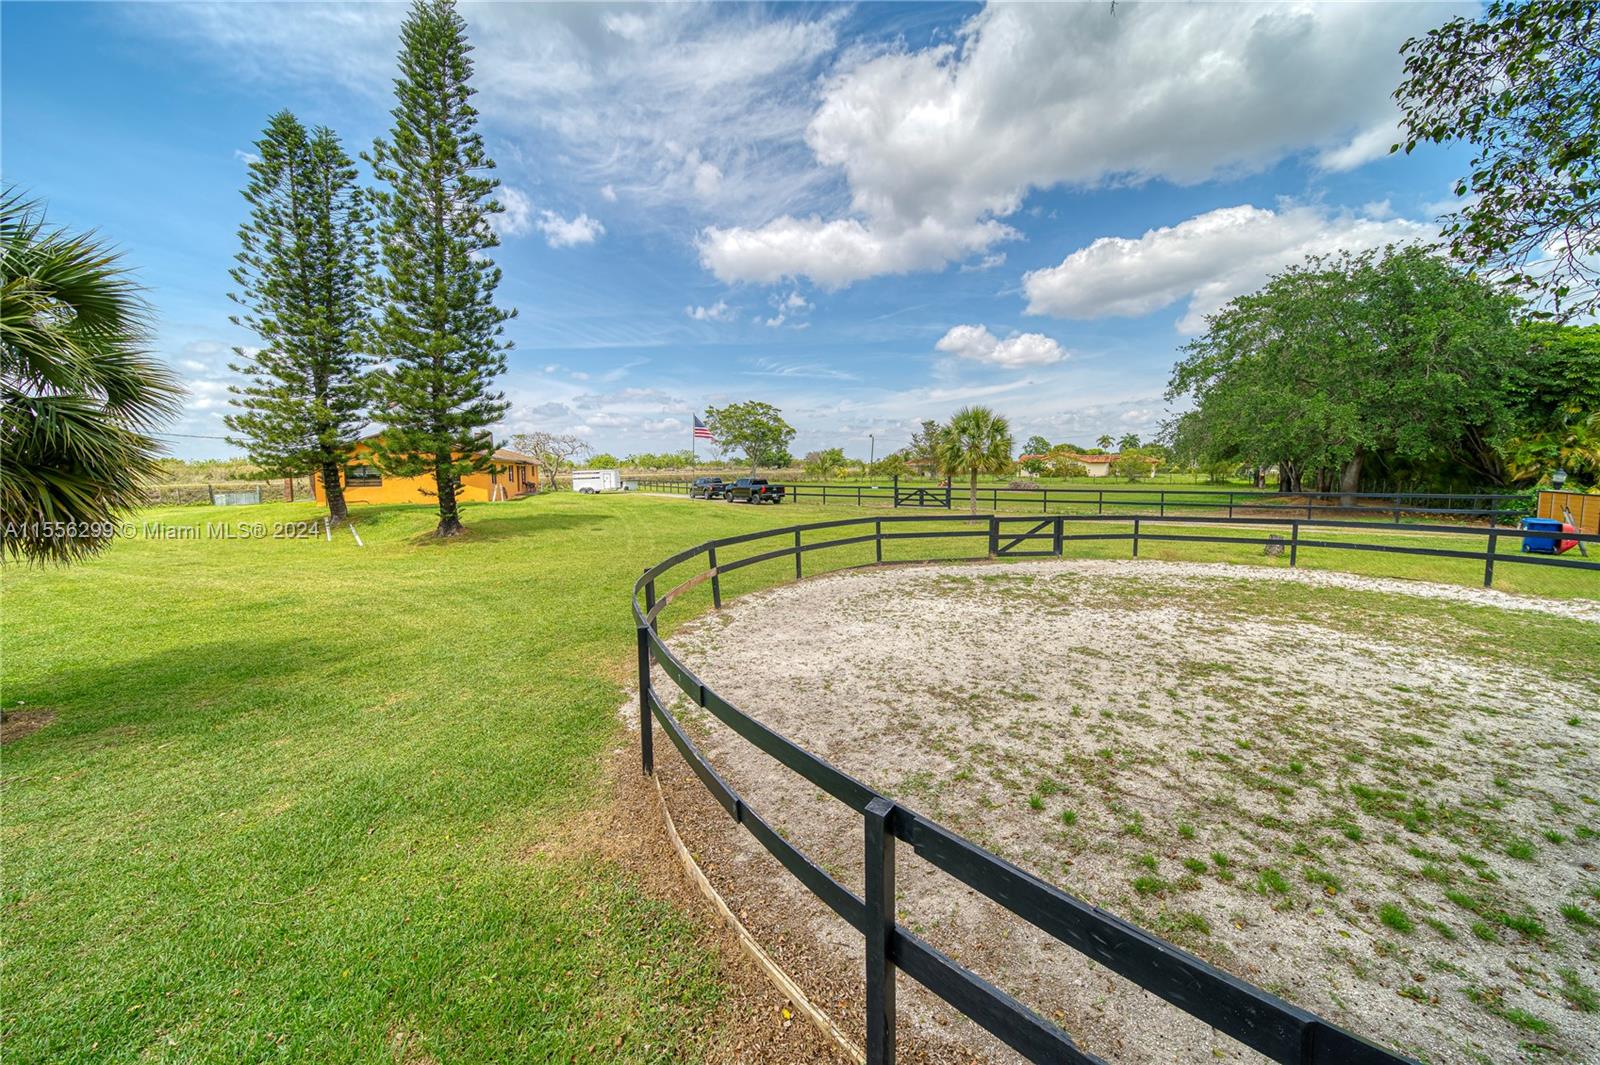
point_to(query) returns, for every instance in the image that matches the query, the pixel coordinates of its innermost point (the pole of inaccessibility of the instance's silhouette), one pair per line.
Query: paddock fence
(201, 493)
(1497, 508)
(1275, 1028)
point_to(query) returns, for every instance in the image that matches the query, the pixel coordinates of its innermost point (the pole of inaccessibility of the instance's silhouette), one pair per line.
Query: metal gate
(922, 497)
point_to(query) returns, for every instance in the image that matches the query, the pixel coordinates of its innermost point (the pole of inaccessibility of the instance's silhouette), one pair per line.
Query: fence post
(1059, 531)
(877, 542)
(646, 751)
(797, 554)
(858, 495)
(1294, 542)
(1161, 504)
(1488, 557)
(650, 602)
(1230, 506)
(994, 535)
(1397, 508)
(1135, 537)
(716, 579)
(1100, 503)
(879, 897)
(896, 488)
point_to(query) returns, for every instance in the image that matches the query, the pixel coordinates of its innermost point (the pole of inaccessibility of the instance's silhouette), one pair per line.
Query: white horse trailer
(591, 481)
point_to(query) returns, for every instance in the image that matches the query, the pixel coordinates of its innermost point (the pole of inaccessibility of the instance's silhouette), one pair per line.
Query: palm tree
(1130, 442)
(1105, 442)
(977, 440)
(78, 391)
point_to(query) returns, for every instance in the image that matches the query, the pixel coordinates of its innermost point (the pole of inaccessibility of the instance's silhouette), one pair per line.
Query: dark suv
(753, 490)
(708, 488)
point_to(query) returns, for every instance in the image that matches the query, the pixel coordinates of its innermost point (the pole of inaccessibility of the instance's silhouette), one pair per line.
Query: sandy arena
(1378, 799)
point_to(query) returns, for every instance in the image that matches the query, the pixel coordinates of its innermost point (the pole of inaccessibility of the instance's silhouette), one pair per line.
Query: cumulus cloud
(517, 218)
(975, 342)
(937, 144)
(838, 252)
(562, 232)
(717, 312)
(1208, 259)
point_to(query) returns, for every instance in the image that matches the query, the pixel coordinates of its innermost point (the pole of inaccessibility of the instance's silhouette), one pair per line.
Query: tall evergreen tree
(303, 275)
(440, 332)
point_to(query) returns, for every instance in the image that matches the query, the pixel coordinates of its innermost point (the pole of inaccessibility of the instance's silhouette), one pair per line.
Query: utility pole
(872, 449)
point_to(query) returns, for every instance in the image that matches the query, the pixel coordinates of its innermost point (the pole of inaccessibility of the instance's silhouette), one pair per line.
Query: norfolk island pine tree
(439, 332)
(304, 269)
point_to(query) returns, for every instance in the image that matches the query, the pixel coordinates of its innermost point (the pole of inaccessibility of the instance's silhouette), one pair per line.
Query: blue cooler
(1541, 545)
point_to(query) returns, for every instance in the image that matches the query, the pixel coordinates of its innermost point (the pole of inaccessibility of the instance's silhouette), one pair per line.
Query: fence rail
(1497, 508)
(1279, 1030)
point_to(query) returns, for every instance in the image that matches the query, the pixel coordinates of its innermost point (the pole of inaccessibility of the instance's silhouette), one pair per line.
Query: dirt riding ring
(1148, 811)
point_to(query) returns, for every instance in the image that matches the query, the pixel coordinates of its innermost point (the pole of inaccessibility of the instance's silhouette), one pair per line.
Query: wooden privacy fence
(1281, 1031)
(1497, 508)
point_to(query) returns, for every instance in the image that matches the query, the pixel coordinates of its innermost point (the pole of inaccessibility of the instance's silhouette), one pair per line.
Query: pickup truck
(708, 488)
(753, 490)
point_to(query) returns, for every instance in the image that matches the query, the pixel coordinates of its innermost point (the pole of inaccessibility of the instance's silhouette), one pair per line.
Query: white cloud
(975, 342)
(936, 145)
(988, 262)
(717, 312)
(836, 253)
(517, 218)
(1363, 148)
(246, 157)
(569, 232)
(816, 370)
(1209, 259)
(608, 193)
(790, 306)
(626, 94)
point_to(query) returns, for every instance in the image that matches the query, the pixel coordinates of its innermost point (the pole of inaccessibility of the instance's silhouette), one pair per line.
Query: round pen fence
(1275, 1028)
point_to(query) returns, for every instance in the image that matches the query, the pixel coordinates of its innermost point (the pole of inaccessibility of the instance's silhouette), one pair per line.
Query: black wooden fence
(1497, 508)
(1275, 1028)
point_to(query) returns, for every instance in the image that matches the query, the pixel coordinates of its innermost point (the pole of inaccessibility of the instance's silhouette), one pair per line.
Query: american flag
(700, 430)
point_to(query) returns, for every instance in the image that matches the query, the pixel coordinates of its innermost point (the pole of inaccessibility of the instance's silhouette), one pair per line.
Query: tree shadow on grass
(488, 528)
(182, 690)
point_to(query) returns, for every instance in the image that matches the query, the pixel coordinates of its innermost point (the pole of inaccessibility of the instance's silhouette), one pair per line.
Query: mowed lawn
(288, 803)
(292, 800)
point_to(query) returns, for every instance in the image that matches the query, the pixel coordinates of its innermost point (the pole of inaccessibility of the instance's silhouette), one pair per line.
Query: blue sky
(866, 215)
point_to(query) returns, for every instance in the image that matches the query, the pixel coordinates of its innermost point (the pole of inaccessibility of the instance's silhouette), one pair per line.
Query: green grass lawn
(283, 807)
(287, 805)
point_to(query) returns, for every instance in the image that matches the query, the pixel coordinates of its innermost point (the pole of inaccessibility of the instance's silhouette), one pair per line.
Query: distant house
(1097, 465)
(512, 475)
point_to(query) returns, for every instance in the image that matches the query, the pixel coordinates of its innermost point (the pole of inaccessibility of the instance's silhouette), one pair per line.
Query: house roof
(505, 454)
(1075, 457)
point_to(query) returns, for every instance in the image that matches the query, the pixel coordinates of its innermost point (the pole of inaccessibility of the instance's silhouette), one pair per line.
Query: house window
(362, 477)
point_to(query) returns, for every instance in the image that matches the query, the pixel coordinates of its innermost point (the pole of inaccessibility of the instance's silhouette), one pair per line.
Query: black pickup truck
(753, 490)
(708, 488)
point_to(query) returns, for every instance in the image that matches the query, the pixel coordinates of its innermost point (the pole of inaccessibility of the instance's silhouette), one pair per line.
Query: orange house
(512, 475)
